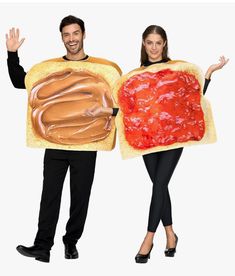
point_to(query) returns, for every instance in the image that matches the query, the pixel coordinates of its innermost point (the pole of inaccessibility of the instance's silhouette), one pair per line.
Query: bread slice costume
(162, 107)
(60, 92)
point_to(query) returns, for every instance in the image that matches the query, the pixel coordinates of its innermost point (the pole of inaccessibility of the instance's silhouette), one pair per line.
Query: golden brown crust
(91, 60)
(128, 151)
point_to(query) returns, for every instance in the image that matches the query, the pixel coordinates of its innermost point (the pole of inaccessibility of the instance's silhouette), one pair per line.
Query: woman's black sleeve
(206, 85)
(16, 71)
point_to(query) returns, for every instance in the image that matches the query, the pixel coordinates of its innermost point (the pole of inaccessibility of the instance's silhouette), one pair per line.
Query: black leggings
(160, 166)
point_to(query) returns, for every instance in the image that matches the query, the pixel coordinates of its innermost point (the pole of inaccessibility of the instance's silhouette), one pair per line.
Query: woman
(161, 165)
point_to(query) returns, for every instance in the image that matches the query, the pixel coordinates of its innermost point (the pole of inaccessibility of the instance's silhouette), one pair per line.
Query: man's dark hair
(70, 19)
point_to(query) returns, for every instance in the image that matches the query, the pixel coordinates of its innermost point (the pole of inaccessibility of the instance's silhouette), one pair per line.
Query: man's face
(72, 37)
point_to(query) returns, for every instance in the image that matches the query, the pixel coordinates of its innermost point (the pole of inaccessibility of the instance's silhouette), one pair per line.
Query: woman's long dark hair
(154, 29)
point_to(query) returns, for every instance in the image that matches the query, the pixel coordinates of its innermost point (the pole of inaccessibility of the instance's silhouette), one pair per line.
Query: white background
(201, 189)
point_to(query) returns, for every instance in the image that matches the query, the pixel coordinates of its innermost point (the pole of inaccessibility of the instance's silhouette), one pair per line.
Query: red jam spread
(161, 108)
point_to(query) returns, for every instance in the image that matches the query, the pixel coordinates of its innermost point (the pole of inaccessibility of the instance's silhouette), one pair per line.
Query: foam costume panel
(60, 92)
(162, 107)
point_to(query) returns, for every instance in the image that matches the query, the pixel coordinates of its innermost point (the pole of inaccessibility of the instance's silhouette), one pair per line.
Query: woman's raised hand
(214, 67)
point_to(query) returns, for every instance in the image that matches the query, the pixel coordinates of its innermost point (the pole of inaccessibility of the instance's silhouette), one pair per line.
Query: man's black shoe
(35, 251)
(70, 251)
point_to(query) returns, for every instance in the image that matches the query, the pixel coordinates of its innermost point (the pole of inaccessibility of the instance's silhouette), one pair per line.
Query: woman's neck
(155, 60)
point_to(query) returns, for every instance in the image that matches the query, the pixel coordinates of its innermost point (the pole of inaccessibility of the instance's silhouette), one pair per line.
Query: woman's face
(154, 45)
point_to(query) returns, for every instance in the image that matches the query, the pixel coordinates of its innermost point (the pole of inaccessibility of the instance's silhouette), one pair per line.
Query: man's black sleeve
(16, 71)
(206, 85)
(115, 111)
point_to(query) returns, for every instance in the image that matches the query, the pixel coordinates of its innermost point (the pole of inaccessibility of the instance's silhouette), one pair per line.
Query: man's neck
(77, 56)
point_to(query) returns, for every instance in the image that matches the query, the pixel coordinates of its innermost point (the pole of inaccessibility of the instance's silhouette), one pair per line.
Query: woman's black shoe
(170, 252)
(70, 251)
(143, 258)
(35, 251)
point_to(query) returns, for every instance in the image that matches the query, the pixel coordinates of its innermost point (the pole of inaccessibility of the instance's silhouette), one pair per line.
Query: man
(57, 162)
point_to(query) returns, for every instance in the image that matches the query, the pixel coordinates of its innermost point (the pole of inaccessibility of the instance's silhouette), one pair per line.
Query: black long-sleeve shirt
(16, 71)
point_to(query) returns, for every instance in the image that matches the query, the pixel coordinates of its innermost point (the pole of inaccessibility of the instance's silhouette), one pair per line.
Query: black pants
(160, 166)
(56, 164)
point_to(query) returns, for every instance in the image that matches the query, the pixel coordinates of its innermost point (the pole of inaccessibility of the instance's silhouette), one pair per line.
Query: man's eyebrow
(73, 32)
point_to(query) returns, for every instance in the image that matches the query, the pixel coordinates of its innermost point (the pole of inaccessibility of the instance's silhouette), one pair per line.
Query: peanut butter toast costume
(60, 91)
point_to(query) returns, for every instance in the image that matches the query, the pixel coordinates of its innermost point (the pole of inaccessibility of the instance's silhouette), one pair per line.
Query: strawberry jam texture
(161, 108)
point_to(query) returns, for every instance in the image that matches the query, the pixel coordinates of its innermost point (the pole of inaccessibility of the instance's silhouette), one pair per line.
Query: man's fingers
(17, 32)
(88, 113)
(10, 33)
(93, 108)
(21, 41)
(13, 32)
